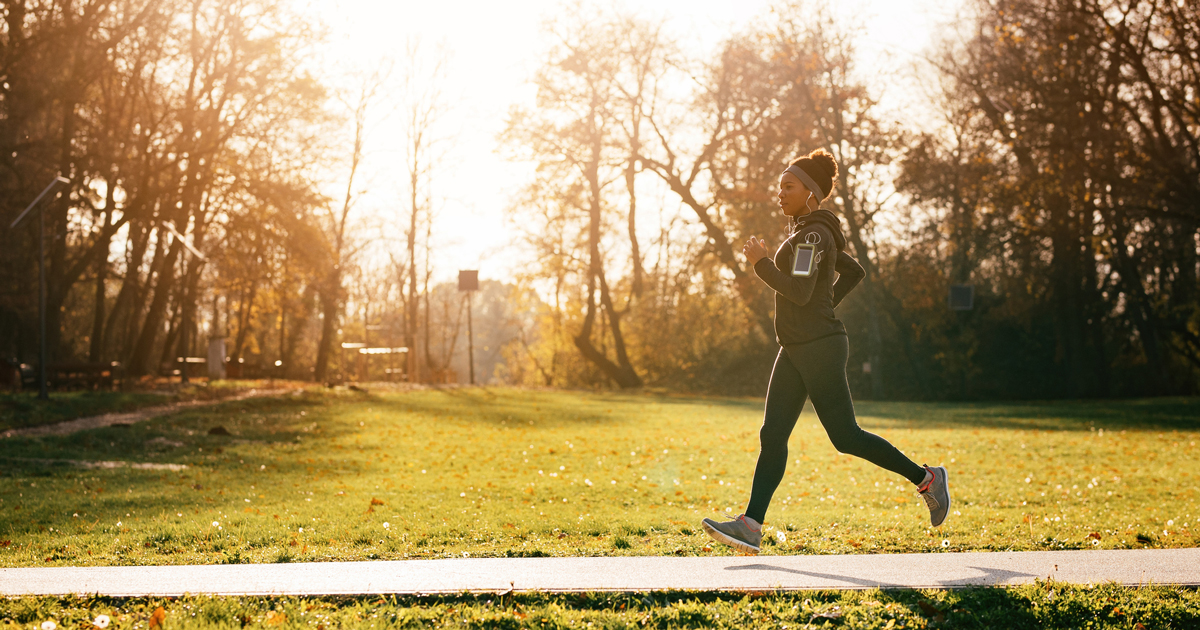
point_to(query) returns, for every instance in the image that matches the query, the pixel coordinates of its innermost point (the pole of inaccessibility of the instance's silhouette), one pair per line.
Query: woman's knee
(772, 440)
(852, 442)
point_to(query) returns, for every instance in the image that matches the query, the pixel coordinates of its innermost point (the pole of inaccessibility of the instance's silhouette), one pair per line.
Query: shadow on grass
(543, 408)
(1145, 414)
(176, 438)
(25, 410)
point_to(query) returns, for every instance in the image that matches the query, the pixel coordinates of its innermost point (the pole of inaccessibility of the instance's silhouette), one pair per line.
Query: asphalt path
(718, 573)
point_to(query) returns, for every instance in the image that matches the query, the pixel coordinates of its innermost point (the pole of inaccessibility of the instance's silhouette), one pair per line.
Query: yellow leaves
(158, 617)
(275, 618)
(374, 502)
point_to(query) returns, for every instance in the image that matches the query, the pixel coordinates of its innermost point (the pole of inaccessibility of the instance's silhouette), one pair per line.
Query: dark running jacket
(804, 306)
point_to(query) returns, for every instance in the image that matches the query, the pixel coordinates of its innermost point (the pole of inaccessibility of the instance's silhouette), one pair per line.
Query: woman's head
(807, 182)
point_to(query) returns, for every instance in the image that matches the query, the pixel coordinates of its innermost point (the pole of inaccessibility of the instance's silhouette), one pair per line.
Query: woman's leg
(822, 365)
(785, 399)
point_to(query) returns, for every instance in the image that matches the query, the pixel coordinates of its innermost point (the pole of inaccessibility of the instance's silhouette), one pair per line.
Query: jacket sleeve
(796, 289)
(850, 273)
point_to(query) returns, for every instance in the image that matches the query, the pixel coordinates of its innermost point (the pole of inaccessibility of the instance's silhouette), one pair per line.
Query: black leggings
(816, 369)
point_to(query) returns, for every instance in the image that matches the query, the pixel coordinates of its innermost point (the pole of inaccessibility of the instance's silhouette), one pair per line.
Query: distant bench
(85, 375)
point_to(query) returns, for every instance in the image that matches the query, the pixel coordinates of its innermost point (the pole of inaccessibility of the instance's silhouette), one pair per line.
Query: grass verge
(346, 475)
(1041, 605)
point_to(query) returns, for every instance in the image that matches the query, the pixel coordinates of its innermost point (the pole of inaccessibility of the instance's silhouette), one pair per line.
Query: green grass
(23, 409)
(340, 475)
(1042, 605)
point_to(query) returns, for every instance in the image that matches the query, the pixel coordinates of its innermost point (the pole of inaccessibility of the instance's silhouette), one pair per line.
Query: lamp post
(43, 392)
(468, 280)
(184, 323)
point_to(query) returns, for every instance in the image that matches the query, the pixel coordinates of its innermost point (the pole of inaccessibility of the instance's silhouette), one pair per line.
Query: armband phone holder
(804, 260)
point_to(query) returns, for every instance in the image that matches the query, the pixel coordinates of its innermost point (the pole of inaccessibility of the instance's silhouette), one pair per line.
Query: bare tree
(423, 105)
(361, 105)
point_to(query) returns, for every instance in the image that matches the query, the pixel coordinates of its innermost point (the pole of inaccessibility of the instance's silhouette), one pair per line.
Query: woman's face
(794, 197)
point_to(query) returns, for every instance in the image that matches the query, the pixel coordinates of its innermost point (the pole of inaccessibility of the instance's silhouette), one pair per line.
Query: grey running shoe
(735, 533)
(936, 494)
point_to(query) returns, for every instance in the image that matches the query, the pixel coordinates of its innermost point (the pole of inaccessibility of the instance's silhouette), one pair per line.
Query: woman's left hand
(755, 250)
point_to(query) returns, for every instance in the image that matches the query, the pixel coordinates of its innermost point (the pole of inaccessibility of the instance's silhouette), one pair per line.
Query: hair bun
(822, 168)
(824, 160)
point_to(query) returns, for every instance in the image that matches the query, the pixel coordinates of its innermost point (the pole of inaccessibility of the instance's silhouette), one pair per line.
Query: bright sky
(495, 47)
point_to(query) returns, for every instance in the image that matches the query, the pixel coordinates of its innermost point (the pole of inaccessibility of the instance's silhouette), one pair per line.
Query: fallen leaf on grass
(157, 619)
(931, 610)
(834, 613)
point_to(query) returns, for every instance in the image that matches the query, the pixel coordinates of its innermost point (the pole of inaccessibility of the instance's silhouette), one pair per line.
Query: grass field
(1044, 605)
(344, 475)
(23, 409)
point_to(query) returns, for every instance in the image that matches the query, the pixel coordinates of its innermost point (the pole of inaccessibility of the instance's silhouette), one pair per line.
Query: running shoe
(736, 533)
(936, 493)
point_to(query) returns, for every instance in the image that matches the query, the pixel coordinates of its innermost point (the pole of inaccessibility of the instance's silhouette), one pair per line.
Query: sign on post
(962, 297)
(468, 280)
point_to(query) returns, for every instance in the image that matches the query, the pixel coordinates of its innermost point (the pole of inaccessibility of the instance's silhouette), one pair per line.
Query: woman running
(814, 348)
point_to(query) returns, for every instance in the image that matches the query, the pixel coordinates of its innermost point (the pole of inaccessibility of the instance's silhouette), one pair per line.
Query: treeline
(1061, 183)
(167, 117)
(1059, 180)
(200, 138)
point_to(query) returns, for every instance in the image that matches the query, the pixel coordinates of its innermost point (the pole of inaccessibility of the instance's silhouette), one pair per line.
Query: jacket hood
(829, 220)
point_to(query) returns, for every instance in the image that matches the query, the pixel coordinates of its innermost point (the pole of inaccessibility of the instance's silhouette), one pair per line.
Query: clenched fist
(755, 250)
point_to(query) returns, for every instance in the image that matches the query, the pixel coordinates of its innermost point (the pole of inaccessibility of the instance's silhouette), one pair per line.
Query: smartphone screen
(802, 263)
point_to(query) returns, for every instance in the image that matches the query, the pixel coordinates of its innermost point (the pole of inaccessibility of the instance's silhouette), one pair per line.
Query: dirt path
(109, 419)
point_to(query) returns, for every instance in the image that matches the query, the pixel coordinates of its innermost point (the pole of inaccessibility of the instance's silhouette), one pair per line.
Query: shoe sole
(946, 479)
(726, 539)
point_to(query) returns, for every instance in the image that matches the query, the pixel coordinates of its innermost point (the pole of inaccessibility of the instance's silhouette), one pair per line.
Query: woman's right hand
(755, 250)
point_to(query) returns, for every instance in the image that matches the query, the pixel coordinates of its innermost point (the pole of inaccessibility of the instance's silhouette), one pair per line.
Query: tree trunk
(870, 289)
(139, 359)
(329, 314)
(622, 373)
(96, 351)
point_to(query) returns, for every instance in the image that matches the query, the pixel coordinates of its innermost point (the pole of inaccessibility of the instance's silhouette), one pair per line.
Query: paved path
(724, 573)
(146, 413)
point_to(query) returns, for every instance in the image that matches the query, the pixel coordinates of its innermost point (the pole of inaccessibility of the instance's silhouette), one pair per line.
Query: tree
(572, 138)
(336, 222)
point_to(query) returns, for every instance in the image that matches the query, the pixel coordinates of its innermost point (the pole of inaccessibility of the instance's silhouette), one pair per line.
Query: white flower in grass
(780, 537)
(49, 625)
(216, 524)
(946, 542)
(385, 525)
(101, 621)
